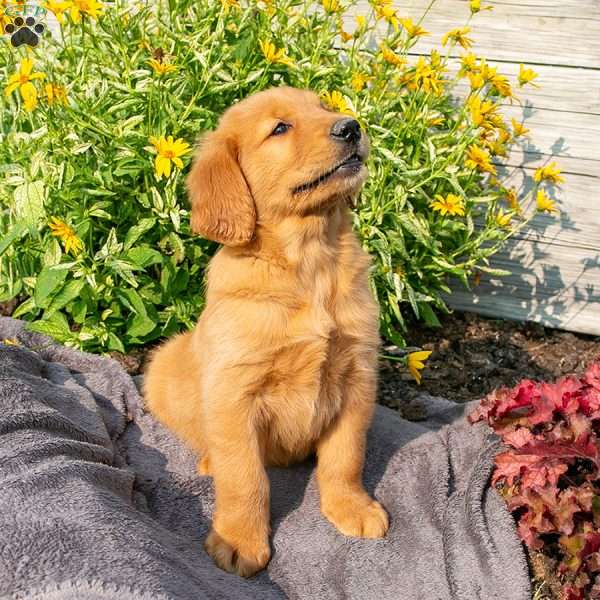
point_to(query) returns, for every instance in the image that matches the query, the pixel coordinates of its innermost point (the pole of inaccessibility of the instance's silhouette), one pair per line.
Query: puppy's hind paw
(242, 558)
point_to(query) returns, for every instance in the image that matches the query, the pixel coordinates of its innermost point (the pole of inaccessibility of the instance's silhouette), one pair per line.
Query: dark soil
(472, 355)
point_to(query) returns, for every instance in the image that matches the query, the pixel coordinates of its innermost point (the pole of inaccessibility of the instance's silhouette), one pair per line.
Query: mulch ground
(472, 355)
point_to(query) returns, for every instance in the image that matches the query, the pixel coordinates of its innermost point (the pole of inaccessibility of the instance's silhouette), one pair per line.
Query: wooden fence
(555, 267)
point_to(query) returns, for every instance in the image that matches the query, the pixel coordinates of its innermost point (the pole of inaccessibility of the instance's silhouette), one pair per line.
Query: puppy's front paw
(237, 556)
(357, 515)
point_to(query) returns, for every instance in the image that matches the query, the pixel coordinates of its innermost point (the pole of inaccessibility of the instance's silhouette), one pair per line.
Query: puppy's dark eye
(280, 128)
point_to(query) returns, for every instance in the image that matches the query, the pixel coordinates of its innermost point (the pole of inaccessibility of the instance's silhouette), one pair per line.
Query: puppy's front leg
(340, 454)
(239, 539)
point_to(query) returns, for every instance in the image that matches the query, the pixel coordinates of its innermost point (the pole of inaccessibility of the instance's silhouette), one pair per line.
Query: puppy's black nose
(347, 130)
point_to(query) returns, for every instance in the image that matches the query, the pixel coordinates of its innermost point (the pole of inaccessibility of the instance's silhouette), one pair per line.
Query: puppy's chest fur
(331, 333)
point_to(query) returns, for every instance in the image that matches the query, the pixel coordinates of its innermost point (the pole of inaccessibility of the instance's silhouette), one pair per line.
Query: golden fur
(282, 362)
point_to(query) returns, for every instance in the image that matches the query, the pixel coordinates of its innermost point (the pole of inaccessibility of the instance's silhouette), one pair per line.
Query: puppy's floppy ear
(222, 207)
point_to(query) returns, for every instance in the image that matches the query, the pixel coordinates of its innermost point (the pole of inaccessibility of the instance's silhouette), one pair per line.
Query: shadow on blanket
(97, 500)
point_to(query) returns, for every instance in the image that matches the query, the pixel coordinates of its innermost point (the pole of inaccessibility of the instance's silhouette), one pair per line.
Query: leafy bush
(550, 474)
(94, 226)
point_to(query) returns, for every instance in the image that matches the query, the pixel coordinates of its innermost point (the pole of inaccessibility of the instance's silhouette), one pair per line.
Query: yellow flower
(426, 77)
(361, 24)
(435, 119)
(336, 101)
(476, 80)
(161, 67)
(503, 135)
(478, 158)
(496, 148)
(383, 9)
(66, 235)
(267, 6)
(518, 128)
(359, 81)
(332, 6)
(412, 29)
(458, 36)
(167, 151)
(484, 113)
(488, 73)
(468, 64)
(346, 37)
(55, 93)
(30, 96)
(10, 342)
(451, 205)
(92, 8)
(544, 203)
(501, 84)
(22, 78)
(390, 56)
(475, 6)
(415, 363)
(435, 60)
(274, 55)
(526, 76)
(229, 4)
(513, 201)
(503, 218)
(548, 173)
(58, 8)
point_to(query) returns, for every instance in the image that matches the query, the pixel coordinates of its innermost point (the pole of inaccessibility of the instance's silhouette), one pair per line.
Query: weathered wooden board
(549, 33)
(555, 265)
(575, 229)
(551, 284)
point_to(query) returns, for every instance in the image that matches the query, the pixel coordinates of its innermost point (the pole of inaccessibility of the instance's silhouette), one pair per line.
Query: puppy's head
(280, 152)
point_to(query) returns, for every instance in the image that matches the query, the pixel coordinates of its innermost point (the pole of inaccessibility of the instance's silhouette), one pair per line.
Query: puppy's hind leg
(172, 390)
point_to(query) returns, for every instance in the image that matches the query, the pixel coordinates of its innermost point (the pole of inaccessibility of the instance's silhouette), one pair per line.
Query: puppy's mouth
(346, 168)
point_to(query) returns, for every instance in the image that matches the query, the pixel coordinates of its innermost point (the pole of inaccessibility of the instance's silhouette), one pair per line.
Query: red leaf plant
(549, 473)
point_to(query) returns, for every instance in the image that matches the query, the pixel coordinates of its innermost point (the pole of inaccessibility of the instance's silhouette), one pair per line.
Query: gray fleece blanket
(98, 501)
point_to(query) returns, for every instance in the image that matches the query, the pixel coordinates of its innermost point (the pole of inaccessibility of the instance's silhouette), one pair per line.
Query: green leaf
(140, 326)
(69, 292)
(24, 308)
(429, 315)
(29, 203)
(411, 223)
(138, 230)
(132, 300)
(53, 253)
(114, 343)
(495, 272)
(53, 329)
(144, 256)
(46, 283)
(16, 232)
(79, 311)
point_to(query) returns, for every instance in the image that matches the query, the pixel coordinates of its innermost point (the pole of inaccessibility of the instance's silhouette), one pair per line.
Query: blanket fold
(98, 501)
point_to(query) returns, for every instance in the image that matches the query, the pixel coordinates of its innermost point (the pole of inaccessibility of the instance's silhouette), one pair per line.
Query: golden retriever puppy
(282, 362)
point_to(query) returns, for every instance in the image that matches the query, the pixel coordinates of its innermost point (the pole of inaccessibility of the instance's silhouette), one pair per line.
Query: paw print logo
(24, 31)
